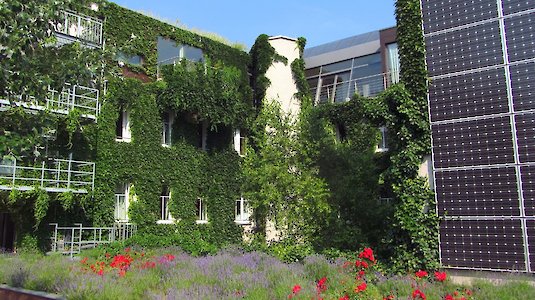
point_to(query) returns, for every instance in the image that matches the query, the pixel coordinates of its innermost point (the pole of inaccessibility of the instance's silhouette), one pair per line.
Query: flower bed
(233, 274)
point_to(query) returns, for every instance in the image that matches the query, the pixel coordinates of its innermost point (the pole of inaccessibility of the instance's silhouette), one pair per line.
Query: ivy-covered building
(128, 120)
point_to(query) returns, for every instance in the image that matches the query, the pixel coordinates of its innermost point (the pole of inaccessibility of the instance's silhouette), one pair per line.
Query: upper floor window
(167, 125)
(130, 59)
(239, 141)
(392, 60)
(383, 143)
(169, 52)
(122, 192)
(243, 211)
(122, 129)
(200, 210)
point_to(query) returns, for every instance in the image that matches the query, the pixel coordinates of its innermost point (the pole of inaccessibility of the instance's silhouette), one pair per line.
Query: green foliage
(262, 56)
(41, 205)
(278, 182)
(298, 71)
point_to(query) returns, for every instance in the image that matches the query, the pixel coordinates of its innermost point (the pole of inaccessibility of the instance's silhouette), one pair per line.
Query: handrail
(367, 86)
(54, 175)
(80, 27)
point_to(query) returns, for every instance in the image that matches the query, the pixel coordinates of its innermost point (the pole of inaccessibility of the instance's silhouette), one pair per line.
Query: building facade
(365, 64)
(481, 65)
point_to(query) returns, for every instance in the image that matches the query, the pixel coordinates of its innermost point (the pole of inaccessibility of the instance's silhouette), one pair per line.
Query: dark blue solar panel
(440, 15)
(492, 244)
(479, 192)
(530, 224)
(528, 189)
(468, 95)
(523, 86)
(520, 35)
(514, 6)
(472, 143)
(470, 48)
(525, 132)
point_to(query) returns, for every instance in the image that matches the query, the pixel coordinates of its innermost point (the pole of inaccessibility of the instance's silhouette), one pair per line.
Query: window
(7, 166)
(165, 215)
(121, 202)
(383, 143)
(130, 59)
(123, 126)
(243, 211)
(169, 52)
(392, 58)
(203, 135)
(239, 142)
(200, 206)
(167, 121)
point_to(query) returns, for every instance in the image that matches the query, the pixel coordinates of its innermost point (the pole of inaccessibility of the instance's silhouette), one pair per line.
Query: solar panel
(514, 6)
(477, 192)
(520, 34)
(528, 189)
(465, 49)
(525, 132)
(440, 15)
(523, 86)
(468, 95)
(530, 224)
(472, 143)
(492, 244)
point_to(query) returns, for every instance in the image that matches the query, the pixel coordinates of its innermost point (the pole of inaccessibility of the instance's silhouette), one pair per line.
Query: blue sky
(242, 21)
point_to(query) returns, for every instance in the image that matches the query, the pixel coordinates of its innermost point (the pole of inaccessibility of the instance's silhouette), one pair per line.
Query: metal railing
(82, 98)
(368, 86)
(71, 240)
(77, 27)
(53, 175)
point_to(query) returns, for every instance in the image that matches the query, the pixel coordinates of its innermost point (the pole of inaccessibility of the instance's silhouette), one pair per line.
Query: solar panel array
(482, 111)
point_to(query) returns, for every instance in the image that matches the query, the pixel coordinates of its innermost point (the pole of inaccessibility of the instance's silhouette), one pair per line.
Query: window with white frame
(392, 58)
(200, 207)
(239, 141)
(122, 191)
(165, 197)
(383, 142)
(243, 211)
(167, 122)
(123, 126)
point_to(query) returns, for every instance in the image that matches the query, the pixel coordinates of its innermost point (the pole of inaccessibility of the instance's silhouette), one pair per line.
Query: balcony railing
(53, 175)
(343, 91)
(74, 27)
(71, 240)
(82, 98)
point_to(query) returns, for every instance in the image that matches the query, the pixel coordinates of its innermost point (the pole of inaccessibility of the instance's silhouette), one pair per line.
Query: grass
(229, 274)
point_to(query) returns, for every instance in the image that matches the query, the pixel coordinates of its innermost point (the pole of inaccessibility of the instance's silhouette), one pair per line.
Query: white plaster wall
(283, 87)
(426, 170)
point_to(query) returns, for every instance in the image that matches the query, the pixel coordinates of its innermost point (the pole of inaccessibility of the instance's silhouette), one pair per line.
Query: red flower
(440, 276)
(389, 297)
(100, 272)
(345, 297)
(448, 297)
(417, 294)
(122, 273)
(468, 292)
(84, 261)
(367, 253)
(421, 274)
(170, 257)
(361, 287)
(321, 287)
(296, 289)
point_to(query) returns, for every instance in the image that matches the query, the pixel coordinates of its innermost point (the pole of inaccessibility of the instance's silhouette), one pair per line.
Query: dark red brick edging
(11, 293)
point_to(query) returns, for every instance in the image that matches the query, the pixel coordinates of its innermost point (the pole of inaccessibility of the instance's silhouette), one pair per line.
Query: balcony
(82, 98)
(342, 91)
(75, 27)
(52, 175)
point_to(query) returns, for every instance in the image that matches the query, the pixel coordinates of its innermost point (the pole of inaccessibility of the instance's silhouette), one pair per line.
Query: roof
(342, 44)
